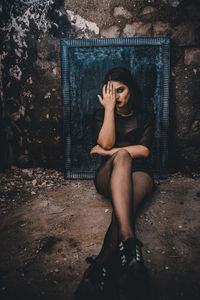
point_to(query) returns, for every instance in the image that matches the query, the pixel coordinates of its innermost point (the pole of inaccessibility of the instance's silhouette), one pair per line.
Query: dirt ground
(49, 225)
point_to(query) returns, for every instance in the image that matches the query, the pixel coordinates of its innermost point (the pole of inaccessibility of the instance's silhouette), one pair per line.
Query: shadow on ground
(50, 225)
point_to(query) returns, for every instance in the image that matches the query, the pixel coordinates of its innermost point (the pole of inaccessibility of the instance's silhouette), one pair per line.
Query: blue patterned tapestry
(84, 65)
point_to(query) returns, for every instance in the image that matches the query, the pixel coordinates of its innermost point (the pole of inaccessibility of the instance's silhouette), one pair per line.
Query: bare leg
(116, 182)
(122, 193)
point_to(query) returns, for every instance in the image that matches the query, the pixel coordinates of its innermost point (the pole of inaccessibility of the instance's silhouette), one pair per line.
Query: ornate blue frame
(164, 48)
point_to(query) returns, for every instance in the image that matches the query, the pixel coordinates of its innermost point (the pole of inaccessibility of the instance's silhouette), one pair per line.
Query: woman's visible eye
(120, 90)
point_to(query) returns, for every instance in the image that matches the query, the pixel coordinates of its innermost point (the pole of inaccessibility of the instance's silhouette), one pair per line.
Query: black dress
(132, 130)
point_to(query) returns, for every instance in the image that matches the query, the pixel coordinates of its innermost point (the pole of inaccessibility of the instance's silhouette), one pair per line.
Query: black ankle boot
(132, 275)
(130, 253)
(96, 284)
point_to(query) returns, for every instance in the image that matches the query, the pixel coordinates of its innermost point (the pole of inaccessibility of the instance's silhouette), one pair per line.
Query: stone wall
(30, 85)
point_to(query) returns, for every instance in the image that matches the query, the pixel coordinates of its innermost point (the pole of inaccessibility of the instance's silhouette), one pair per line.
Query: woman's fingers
(108, 87)
(112, 89)
(107, 90)
(104, 90)
(108, 100)
(100, 99)
(94, 150)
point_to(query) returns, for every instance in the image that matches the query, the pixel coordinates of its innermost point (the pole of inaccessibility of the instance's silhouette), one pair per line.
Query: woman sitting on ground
(123, 135)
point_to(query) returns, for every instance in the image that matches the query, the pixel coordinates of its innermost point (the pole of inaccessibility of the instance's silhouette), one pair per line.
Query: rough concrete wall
(31, 104)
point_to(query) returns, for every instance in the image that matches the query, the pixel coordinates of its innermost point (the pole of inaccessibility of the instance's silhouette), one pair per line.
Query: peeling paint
(55, 71)
(82, 24)
(48, 95)
(30, 80)
(15, 72)
(21, 24)
(28, 94)
(3, 55)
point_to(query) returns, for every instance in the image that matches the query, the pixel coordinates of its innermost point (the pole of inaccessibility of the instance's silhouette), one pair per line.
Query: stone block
(148, 10)
(111, 32)
(137, 29)
(196, 126)
(120, 11)
(161, 29)
(186, 109)
(192, 56)
(173, 3)
(185, 35)
(47, 48)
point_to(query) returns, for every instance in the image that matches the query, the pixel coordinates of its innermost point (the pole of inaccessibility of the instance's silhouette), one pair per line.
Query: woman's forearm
(135, 151)
(106, 137)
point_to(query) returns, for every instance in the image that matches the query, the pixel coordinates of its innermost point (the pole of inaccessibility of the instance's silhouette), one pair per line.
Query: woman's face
(122, 94)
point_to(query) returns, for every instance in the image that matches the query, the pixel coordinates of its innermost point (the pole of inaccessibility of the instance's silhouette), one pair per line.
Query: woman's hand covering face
(109, 99)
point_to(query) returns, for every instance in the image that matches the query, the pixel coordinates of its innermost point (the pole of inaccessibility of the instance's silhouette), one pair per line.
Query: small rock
(173, 3)
(184, 35)
(166, 268)
(192, 56)
(30, 173)
(34, 182)
(195, 71)
(195, 126)
(120, 11)
(137, 29)
(111, 32)
(25, 171)
(148, 10)
(161, 29)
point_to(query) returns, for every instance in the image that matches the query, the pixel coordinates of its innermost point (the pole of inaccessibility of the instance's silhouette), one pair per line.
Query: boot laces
(128, 252)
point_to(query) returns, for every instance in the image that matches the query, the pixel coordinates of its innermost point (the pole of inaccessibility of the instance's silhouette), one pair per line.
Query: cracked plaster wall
(30, 86)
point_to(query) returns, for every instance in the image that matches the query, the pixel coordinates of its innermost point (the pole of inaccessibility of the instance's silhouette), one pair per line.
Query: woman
(123, 135)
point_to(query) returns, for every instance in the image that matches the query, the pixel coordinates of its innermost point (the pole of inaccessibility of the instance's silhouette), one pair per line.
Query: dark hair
(124, 76)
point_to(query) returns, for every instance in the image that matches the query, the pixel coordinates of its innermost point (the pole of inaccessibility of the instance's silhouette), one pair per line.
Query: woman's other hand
(98, 150)
(109, 99)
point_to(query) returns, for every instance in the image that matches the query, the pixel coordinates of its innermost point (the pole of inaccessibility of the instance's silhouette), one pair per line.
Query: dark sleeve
(97, 123)
(148, 131)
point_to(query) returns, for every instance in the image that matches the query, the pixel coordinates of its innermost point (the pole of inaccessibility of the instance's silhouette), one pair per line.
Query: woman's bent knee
(122, 156)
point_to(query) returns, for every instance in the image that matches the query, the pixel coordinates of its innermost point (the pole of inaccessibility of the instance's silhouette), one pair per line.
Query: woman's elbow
(146, 152)
(104, 145)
